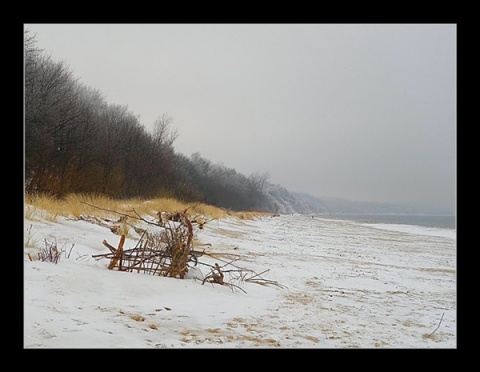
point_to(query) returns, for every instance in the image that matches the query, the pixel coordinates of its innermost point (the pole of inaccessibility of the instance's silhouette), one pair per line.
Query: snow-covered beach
(342, 284)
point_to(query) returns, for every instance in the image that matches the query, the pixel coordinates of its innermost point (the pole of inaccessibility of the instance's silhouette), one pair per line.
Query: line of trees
(218, 185)
(76, 142)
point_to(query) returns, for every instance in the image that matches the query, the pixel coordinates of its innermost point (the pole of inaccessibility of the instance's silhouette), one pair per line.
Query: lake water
(437, 221)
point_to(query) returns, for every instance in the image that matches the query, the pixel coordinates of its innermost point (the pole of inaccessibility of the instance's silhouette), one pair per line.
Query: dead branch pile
(235, 275)
(169, 251)
(166, 253)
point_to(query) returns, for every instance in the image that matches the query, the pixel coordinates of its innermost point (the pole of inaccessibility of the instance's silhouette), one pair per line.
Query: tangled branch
(170, 252)
(166, 253)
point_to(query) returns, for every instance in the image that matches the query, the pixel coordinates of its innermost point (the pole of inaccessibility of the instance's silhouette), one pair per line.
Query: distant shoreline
(425, 220)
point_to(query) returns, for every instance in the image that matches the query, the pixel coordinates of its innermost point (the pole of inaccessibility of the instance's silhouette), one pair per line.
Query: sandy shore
(343, 285)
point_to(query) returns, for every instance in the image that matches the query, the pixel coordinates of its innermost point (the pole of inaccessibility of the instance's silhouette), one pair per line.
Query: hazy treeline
(76, 142)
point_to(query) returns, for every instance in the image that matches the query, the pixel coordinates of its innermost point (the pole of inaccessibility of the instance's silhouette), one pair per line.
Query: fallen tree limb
(118, 254)
(111, 247)
(170, 252)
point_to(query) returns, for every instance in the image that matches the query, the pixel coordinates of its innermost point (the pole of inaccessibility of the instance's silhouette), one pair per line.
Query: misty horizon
(361, 112)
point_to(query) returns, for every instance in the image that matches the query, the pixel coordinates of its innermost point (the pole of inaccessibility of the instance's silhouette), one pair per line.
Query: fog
(364, 112)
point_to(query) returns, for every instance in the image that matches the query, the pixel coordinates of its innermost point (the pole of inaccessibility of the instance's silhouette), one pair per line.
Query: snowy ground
(346, 285)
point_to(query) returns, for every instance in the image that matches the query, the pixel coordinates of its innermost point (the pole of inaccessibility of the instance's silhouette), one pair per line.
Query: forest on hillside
(77, 142)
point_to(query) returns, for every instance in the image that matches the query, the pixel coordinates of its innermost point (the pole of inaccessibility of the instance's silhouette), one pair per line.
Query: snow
(412, 229)
(342, 284)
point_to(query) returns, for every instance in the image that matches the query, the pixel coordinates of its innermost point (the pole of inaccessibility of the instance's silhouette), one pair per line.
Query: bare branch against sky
(358, 111)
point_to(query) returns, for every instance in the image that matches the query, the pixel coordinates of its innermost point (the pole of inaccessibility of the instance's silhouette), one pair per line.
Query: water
(435, 221)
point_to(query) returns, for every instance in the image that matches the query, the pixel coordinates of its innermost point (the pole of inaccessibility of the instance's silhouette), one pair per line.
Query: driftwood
(118, 254)
(169, 252)
(237, 275)
(215, 276)
(166, 253)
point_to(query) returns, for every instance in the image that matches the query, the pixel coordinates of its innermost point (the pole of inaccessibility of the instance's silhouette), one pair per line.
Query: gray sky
(359, 111)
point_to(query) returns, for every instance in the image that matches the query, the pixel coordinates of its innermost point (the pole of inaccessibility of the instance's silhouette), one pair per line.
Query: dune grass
(45, 207)
(42, 207)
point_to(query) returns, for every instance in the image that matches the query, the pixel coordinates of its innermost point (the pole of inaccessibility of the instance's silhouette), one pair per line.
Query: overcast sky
(358, 111)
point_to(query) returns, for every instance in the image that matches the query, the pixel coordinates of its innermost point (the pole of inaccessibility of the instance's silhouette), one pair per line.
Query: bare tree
(163, 134)
(258, 180)
(50, 112)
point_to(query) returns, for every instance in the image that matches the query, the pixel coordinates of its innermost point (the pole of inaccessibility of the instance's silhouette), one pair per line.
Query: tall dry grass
(42, 206)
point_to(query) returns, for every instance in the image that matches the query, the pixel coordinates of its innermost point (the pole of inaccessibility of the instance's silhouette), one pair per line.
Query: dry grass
(40, 212)
(41, 207)
(28, 240)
